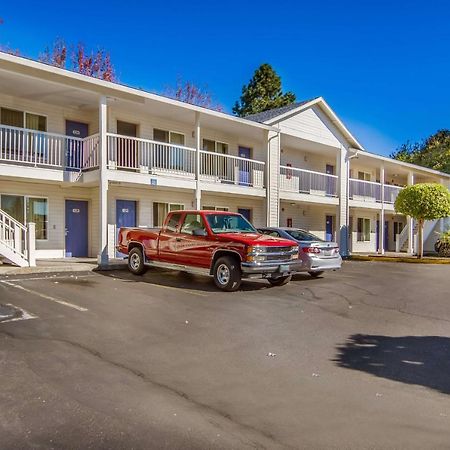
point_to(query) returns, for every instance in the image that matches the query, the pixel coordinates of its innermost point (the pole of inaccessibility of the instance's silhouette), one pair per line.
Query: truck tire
(280, 281)
(136, 261)
(227, 274)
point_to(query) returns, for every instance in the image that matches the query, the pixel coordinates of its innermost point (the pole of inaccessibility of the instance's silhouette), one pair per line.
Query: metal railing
(307, 181)
(41, 149)
(391, 193)
(364, 190)
(222, 168)
(144, 155)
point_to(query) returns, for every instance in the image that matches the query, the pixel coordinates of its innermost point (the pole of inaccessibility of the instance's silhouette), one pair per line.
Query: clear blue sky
(383, 66)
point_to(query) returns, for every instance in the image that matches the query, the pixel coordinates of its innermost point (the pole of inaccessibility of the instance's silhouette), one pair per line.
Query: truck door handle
(178, 239)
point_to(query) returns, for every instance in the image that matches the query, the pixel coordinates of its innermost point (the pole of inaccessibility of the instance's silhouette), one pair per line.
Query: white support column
(409, 221)
(342, 218)
(273, 179)
(31, 244)
(198, 191)
(103, 257)
(381, 248)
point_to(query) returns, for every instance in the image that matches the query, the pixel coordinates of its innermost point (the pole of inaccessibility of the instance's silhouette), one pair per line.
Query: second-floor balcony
(33, 148)
(309, 182)
(159, 158)
(371, 191)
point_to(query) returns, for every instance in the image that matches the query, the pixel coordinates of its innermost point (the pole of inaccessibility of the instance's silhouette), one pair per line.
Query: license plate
(327, 252)
(283, 268)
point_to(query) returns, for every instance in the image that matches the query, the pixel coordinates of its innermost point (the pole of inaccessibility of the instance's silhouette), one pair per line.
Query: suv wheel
(280, 281)
(227, 274)
(136, 261)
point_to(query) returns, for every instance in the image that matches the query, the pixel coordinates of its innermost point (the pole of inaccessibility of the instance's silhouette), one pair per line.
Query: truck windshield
(229, 223)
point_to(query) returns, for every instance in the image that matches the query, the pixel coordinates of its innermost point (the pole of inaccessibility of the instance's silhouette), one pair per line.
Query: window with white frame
(363, 230)
(26, 209)
(215, 208)
(215, 146)
(21, 119)
(364, 176)
(160, 211)
(169, 137)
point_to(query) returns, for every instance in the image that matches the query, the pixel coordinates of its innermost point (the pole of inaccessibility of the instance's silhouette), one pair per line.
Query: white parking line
(45, 296)
(54, 277)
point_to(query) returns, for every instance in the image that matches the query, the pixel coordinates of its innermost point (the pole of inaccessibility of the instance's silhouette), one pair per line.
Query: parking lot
(356, 359)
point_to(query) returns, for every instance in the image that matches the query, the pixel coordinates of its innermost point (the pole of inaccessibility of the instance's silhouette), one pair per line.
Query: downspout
(347, 209)
(269, 167)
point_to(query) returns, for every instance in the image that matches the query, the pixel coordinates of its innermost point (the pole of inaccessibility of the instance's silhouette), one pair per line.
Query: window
(215, 147)
(28, 209)
(126, 129)
(301, 235)
(169, 137)
(13, 118)
(365, 176)
(173, 222)
(363, 231)
(160, 211)
(271, 233)
(215, 208)
(192, 222)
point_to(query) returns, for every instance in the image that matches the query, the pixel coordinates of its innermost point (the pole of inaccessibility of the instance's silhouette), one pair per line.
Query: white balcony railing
(391, 193)
(41, 149)
(147, 156)
(222, 168)
(307, 182)
(367, 191)
(159, 158)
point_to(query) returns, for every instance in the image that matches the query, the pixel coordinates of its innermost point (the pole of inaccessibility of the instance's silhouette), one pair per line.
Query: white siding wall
(56, 115)
(312, 124)
(302, 159)
(233, 203)
(309, 217)
(54, 246)
(368, 246)
(146, 124)
(145, 198)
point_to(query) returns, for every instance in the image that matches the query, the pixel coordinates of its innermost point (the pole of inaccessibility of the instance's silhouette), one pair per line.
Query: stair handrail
(401, 239)
(19, 242)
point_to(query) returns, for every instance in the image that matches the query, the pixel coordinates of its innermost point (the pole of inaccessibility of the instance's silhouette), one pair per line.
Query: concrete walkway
(61, 265)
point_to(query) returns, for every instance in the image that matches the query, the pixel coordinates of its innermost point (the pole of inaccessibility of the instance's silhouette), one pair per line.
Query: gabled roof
(264, 116)
(273, 116)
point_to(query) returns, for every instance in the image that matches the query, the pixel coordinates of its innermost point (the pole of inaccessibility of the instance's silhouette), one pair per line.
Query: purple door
(125, 215)
(76, 228)
(244, 166)
(74, 148)
(329, 228)
(246, 212)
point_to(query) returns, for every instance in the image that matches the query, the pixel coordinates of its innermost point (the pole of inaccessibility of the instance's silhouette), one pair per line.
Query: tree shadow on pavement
(419, 360)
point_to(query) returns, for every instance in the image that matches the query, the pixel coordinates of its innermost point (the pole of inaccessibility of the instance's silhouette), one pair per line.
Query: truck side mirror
(199, 232)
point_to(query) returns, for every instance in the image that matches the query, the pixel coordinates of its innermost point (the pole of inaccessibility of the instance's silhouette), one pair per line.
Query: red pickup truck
(222, 244)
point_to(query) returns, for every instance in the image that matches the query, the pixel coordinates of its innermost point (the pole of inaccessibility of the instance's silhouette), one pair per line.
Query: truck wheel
(316, 274)
(280, 281)
(227, 274)
(136, 261)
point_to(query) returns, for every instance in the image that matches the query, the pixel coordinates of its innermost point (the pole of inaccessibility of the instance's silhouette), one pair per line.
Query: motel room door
(125, 215)
(76, 228)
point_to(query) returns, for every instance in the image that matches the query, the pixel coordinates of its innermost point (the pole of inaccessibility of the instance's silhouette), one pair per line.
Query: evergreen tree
(433, 152)
(263, 92)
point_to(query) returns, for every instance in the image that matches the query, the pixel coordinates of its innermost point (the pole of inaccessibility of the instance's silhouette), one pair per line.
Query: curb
(400, 259)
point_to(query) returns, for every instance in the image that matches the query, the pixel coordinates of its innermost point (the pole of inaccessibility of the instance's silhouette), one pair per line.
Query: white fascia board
(404, 164)
(66, 77)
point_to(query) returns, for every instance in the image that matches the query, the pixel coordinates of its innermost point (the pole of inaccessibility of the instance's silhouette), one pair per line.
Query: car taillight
(311, 250)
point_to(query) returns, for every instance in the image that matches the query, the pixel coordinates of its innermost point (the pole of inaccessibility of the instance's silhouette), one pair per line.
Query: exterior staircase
(17, 241)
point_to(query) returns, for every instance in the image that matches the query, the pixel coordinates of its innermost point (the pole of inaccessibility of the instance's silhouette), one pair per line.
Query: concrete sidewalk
(62, 265)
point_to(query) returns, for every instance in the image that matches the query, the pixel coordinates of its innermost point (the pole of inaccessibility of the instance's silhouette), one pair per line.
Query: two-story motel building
(79, 156)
